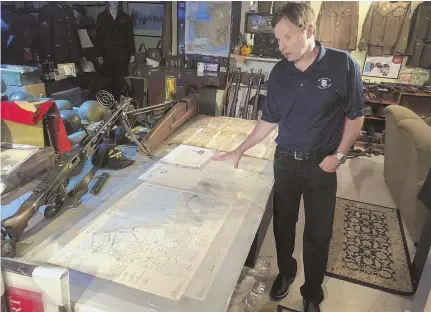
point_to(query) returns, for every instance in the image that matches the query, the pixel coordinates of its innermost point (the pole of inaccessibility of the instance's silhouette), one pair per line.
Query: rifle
(52, 190)
(225, 98)
(257, 96)
(247, 96)
(232, 112)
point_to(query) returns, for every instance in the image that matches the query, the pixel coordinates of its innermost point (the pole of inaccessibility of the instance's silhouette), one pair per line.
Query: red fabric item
(13, 112)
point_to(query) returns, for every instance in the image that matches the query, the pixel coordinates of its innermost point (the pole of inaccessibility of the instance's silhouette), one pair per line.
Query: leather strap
(302, 155)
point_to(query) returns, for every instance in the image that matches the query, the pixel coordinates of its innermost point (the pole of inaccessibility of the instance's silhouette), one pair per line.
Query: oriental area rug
(368, 247)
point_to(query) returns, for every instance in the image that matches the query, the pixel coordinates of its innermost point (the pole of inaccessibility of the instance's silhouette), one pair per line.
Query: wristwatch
(341, 157)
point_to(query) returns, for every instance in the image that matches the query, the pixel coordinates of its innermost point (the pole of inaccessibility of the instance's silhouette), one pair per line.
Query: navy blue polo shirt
(310, 107)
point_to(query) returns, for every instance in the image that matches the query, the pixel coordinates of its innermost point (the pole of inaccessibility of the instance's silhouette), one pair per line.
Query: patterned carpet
(369, 248)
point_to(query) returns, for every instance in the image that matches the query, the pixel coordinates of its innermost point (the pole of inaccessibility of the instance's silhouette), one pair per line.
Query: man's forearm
(352, 130)
(259, 132)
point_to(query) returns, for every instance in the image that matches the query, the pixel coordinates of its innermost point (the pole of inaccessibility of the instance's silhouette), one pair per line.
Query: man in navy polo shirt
(315, 96)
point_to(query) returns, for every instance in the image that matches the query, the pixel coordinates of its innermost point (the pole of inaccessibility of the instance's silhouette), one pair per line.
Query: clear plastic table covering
(248, 193)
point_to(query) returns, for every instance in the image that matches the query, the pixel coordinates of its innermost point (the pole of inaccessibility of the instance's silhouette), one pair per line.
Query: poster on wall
(382, 66)
(147, 18)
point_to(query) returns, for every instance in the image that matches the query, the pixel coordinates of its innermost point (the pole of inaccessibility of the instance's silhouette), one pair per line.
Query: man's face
(292, 40)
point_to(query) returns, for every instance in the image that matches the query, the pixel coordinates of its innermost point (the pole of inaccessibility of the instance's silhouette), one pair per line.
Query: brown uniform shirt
(419, 43)
(386, 28)
(337, 24)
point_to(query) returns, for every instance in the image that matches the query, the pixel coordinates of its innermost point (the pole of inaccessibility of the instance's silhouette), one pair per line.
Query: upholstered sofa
(407, 162)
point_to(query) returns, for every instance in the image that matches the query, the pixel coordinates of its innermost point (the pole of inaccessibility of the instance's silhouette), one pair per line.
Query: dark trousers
(294, 178)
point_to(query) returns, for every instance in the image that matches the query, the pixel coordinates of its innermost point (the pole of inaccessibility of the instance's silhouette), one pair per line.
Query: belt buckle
(297, 155)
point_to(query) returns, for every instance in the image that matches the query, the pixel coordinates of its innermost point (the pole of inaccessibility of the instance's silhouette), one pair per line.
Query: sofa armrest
(420, 132)
(399, 113)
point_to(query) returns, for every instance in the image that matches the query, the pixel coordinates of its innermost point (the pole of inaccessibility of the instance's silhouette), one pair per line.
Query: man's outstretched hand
(234, 155)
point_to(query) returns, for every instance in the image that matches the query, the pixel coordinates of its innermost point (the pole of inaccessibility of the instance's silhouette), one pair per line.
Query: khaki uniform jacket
(419, 43)
(337, 24)
(386, 28)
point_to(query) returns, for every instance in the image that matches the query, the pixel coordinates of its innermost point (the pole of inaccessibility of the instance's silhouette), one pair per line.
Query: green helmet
(92, 111)
(71, 121)
(63, 104)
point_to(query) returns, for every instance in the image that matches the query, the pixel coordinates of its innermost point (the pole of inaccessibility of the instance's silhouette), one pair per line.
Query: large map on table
(207, 28)
(154, 239)
(170, 235)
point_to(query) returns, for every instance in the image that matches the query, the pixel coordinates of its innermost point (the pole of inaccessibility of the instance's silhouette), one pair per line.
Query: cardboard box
(17, 133)
(37, 90)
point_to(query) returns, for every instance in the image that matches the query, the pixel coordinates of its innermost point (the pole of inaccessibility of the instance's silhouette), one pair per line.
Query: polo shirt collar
(322, 51)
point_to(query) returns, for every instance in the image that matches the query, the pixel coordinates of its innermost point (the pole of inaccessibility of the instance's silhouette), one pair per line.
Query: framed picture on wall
(147, 18)
(382, 66)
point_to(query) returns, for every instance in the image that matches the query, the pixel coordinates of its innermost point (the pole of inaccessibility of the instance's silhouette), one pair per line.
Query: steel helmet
(71, 120)
(63, 104)
(92, 111)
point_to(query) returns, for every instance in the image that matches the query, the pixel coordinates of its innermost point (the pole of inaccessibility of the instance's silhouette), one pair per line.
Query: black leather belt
(302, 155)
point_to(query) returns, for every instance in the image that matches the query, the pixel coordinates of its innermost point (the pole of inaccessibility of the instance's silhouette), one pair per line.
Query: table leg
(261, 233)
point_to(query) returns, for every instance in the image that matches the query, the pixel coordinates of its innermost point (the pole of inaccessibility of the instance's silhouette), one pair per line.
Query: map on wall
(207, 28)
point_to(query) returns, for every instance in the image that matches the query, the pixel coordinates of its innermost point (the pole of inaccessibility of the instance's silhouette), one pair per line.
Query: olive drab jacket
(386, 28)
(419, 42)
(337, 24)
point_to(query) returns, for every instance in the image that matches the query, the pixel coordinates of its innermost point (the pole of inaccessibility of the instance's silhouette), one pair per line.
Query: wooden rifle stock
(182, 111)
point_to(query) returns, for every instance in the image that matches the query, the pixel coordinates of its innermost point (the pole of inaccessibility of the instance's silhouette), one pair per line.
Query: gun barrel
(235, 95)
(256, 99)
(247, 96)
(147, 109)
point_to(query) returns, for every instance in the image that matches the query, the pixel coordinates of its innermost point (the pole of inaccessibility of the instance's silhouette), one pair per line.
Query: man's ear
(310, 31)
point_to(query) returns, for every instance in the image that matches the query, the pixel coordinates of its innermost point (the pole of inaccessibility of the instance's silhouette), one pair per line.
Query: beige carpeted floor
(359, 179)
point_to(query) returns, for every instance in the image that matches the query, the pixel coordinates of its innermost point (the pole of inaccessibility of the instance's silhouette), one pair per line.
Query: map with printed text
(154, 240)
(170, 235)
(207, 28)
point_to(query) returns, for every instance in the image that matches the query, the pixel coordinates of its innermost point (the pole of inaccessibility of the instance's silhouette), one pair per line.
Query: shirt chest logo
(324, 83)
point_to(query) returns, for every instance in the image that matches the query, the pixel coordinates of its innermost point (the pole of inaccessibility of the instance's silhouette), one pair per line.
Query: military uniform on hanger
(58, 33)
(386, 28)
(21, 41)
(419, 43)
(115, 42)
(337, 24)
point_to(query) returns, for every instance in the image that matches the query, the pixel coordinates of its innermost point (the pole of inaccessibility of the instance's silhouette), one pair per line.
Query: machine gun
(52, 191)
